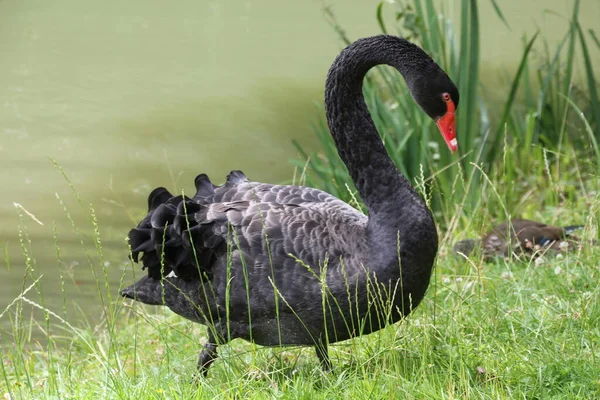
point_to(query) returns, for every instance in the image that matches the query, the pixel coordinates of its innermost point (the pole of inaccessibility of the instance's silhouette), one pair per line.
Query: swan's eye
(446, 96)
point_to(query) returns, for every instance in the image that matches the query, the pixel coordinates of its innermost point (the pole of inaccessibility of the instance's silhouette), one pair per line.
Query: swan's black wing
(187, 236)
(239, 188)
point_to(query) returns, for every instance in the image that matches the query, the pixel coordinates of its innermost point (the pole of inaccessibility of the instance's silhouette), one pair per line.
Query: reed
(538, 111)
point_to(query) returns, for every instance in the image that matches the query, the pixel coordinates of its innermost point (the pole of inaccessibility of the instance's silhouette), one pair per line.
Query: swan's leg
(323, 354)
(207, 355)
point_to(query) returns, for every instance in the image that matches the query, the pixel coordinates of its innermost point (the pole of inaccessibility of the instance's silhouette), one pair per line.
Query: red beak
(447, 126)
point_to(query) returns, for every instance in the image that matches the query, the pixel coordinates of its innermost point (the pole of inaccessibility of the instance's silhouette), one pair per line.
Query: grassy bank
(485, 330)
(500, 330)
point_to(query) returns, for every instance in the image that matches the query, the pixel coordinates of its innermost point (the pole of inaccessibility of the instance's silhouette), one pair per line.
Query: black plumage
(293, 265)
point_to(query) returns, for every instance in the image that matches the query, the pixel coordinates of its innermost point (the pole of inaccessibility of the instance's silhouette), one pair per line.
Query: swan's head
(438, 97)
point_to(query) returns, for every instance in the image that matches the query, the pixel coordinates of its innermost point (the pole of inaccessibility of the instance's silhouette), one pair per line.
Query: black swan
(293, 265)
(519, 237)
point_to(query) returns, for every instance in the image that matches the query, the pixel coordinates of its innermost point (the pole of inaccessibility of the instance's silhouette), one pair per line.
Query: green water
(127, 96)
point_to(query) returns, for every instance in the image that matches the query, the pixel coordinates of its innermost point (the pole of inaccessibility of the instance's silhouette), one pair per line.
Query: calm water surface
(127, 96)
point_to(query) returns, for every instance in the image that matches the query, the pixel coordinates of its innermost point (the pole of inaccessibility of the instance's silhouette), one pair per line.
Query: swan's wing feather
(188, 236)
(237, 187)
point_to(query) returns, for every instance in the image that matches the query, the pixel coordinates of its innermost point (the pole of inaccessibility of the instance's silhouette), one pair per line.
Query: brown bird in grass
(521, 237)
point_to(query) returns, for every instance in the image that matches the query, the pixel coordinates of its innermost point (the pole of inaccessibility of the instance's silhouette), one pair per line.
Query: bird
(518, 237)
(285, 265)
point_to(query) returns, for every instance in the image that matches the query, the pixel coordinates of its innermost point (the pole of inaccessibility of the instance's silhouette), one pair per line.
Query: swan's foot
(207, 356)
(323, 355)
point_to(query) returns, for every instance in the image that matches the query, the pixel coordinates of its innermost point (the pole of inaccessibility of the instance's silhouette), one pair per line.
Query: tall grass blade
(514, 87)
(588, 129)
(380, 18)
(594, 37)
(591, 82)
(469, 75)
(433, 28)
(568, 80)
(499, 13)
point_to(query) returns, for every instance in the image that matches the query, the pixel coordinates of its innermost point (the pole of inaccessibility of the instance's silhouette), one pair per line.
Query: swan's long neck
(359, 145)
(392, 203)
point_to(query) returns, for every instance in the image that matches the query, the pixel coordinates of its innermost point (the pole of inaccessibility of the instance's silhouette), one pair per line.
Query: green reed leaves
(533, 112)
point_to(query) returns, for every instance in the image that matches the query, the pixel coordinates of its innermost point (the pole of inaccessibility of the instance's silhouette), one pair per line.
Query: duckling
(521, 237)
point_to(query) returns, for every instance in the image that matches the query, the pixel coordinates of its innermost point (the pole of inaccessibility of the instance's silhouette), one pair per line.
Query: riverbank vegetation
(502, 329)
(546, 112)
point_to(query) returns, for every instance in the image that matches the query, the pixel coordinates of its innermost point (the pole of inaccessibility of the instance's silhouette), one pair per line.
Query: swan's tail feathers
(155, 233)
(187, 235)
(169, 238)
(140, 240)
(572, 228)
(147, 290)
(202, 238)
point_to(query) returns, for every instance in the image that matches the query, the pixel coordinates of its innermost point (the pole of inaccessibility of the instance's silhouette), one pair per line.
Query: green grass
(484, 330)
